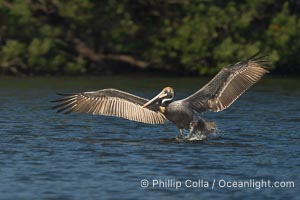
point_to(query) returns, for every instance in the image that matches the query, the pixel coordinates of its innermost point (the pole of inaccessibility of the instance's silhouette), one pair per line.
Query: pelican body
(218, 94)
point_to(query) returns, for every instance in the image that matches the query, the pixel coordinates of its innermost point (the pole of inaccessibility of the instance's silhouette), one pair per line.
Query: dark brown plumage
(229, 84)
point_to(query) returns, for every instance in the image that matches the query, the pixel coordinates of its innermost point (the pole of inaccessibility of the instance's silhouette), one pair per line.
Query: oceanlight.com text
(215, 183)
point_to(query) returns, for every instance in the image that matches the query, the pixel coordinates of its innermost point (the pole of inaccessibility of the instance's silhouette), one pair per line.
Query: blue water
(44, 155)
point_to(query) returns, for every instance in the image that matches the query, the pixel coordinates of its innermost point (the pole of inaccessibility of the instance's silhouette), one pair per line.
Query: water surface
(55, 156)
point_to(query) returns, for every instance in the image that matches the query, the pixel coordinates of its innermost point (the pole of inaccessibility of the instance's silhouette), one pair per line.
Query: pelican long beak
(158, 97)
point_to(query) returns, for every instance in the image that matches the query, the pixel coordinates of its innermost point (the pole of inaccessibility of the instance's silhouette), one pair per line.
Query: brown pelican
(218, 94)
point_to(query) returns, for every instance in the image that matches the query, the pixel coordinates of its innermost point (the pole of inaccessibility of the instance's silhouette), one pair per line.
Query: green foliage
(75, 67)
(85, 36)
(11, 50)
(21, 11)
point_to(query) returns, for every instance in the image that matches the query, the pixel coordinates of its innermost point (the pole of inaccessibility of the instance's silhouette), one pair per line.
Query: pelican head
(164, 97)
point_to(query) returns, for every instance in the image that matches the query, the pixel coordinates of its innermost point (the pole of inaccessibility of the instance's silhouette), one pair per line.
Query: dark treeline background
(110, 36)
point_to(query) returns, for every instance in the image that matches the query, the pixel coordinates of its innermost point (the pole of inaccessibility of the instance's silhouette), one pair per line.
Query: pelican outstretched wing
(110, 102)
(229, 84)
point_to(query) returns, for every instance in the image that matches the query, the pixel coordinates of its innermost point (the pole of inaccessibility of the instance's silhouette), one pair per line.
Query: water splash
(201, 130)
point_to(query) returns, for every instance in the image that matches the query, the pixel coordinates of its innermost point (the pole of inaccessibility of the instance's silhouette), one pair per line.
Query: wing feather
(110, 102)
(228, 85)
